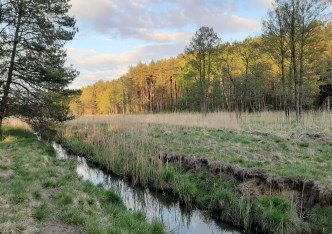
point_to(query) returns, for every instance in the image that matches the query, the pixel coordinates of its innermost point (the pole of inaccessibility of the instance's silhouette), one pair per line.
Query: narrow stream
(177, 218)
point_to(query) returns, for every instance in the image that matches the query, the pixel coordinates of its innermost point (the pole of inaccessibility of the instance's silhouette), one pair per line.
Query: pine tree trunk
(4, 100)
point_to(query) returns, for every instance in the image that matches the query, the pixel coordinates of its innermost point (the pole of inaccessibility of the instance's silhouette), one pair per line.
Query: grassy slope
(37, 189)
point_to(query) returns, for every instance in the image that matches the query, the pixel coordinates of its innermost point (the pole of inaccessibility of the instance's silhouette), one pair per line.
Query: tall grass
(12, 122)
(121, 144)
(297, 150)
(212, 120)
(276, 122)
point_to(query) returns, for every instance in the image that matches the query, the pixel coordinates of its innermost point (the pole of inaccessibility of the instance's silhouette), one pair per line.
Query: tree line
(288, 67)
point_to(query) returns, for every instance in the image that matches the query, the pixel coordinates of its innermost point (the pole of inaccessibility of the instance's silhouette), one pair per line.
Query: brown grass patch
(315, 125)
(57, 227)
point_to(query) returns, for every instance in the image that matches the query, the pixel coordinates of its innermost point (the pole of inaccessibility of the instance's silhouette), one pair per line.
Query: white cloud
(88, 78)
(92, 10)
(163, 36)
(164, 26)
(94, 66)
(92, 61)
(144, 19)
(267, 3)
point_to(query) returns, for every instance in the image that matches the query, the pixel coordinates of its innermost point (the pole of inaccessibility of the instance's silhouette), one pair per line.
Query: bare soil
(58, 227)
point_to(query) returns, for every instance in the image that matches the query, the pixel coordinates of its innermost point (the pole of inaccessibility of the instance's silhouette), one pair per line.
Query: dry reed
(12, 122)
(271, 122)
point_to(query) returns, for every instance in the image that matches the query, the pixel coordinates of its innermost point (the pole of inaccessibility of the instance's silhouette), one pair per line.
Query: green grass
(129, 151)
(320, 218)
(279, 156)
(36, 187)
(208, 191)
(298, 158)
(279, 214)
(43, 212)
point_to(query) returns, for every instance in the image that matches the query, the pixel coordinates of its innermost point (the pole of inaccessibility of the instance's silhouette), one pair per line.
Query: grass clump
(277, 214)
(111, 197)
(321, 219)
(42, 212)
(64, 198)
(73, 216)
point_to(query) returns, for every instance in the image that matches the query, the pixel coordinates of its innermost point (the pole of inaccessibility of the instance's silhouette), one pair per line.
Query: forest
(287, 68)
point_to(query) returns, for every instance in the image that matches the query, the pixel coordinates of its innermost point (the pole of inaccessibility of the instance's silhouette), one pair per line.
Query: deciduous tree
(203, 46)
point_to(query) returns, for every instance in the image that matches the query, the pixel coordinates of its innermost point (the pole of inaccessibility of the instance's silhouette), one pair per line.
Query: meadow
(265, 141)
(133, 145)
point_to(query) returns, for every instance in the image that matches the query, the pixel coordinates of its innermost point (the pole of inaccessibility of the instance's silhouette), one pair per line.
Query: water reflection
(177, 218)
(60, 152)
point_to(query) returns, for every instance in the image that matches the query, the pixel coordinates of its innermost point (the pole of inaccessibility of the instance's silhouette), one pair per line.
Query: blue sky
(114, 34)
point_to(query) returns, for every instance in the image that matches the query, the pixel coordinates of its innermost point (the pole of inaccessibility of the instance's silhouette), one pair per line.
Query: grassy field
(40, 194)
(130, 145)
(263, 141)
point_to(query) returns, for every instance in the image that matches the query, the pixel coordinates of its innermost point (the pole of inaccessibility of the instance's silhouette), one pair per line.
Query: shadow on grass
(19, 133)
(11, 135)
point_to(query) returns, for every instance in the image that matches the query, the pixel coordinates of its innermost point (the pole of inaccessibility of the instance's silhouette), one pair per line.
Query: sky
(114, 34)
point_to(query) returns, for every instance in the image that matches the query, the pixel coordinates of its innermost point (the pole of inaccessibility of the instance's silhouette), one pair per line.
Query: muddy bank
(306, 193)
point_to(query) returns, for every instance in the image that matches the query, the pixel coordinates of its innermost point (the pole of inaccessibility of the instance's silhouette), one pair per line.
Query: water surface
(177, 218)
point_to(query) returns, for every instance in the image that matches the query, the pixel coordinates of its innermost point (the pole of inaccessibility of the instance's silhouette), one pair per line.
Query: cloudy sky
(114, 34)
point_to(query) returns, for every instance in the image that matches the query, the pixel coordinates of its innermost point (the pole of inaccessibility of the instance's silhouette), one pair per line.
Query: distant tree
(32, 58)
(203, 46)
(88, 100)
(248, 51)
(231, 70)
(323, 64)
(275, 32)
(75, 105)
(250, 75)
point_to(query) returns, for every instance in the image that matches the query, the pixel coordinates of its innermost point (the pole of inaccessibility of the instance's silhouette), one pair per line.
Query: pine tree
(32, 58)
